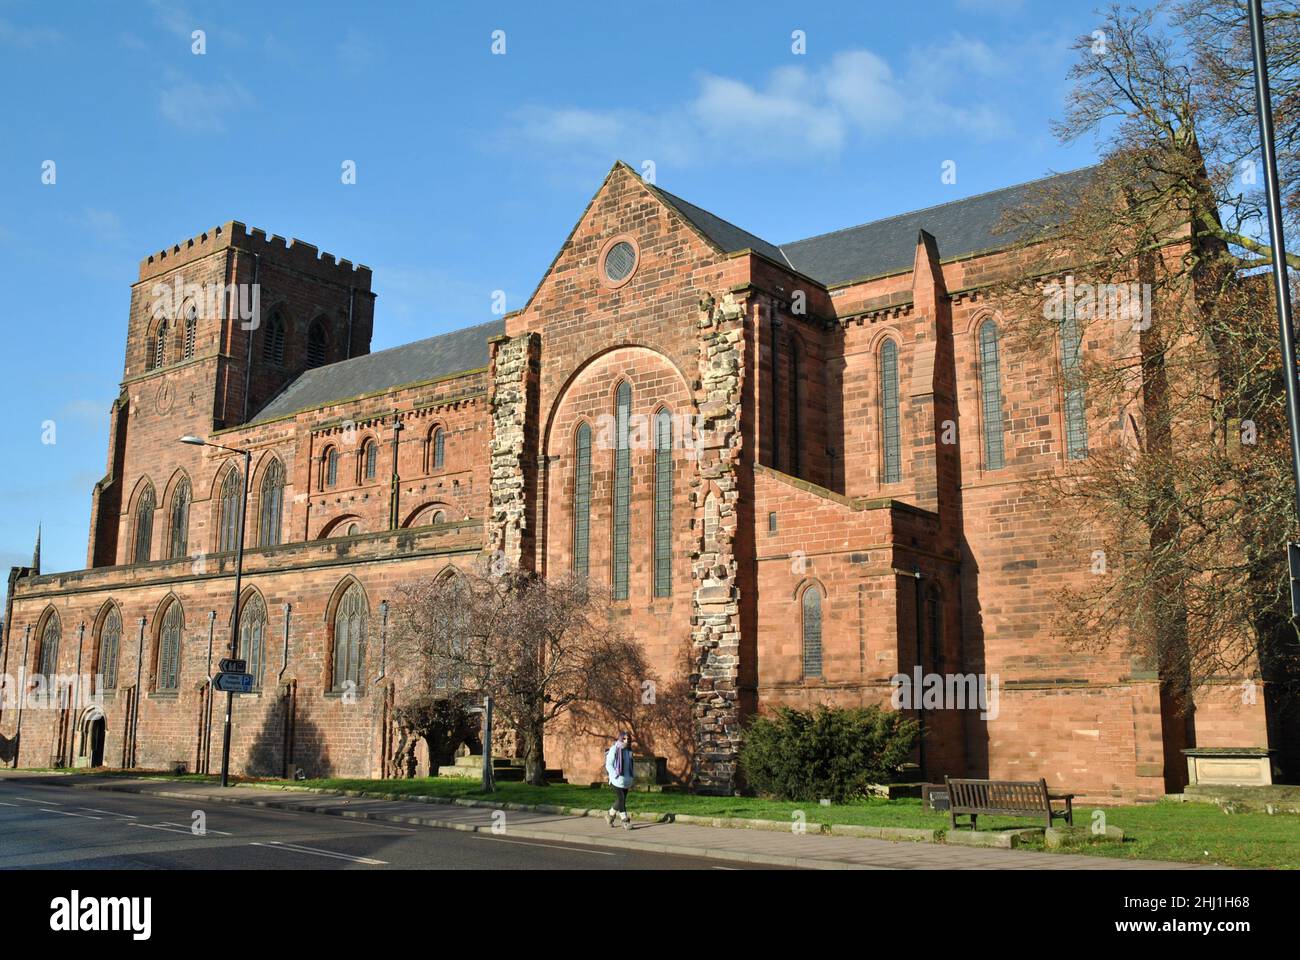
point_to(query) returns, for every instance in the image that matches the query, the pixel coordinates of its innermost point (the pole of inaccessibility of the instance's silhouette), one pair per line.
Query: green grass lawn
(1190, 832)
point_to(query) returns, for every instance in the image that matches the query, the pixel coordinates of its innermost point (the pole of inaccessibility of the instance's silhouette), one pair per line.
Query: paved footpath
(815, 851)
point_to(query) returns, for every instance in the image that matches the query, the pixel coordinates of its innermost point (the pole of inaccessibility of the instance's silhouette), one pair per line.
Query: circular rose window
(619, 261)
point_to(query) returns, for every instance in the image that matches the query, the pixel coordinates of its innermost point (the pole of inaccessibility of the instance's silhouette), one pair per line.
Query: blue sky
(471, 167)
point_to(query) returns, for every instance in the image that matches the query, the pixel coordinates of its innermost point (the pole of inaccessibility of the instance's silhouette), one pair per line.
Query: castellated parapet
(287, 252)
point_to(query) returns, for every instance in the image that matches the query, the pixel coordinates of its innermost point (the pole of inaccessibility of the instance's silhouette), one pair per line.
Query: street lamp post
(1281, 281)
(239, 574)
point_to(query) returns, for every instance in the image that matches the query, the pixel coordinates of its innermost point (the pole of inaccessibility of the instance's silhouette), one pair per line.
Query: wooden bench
(1013, 798)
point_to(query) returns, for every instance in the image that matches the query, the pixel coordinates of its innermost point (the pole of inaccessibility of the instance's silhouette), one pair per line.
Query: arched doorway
(93, 729)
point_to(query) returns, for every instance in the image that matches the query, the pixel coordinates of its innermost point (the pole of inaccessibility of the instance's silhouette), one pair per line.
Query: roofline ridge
(399, 346)
(729, 223)
(936, 206)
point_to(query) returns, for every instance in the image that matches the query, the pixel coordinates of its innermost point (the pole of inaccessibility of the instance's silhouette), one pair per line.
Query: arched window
(370, 459)
(110, 643)
(438, 517)
(349, 637)
(160, 345)
(180, 521)
(169, 648)
(889, 438)
(317, 344)
(450, 673)
(1076, 424)
(144, 525)
(582, 501)
(991, 391)
(273, 338)
(663, 504)
(352, 530)
(272, 504)
(231, 504)
(622, 489)
(191, 331)
(47, 656)
(252, 637)
(330, 467)
(812, 632)
(437, 447)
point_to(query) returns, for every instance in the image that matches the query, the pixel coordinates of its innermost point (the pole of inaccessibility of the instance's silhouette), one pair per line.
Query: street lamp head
(194, 441)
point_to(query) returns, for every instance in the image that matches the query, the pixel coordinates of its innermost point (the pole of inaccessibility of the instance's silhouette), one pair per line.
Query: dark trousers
(620, 799)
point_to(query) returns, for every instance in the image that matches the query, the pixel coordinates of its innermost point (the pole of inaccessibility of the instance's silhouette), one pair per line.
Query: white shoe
(627, 823)
(609, 817)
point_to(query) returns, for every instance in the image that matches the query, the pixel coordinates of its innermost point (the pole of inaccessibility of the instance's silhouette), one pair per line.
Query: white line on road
(84, 816)
(3, 804)
(154, 826)
(110, 813)
(296, 848)
(48, 803)
(165, 823)
(356, 821)
(603, 853)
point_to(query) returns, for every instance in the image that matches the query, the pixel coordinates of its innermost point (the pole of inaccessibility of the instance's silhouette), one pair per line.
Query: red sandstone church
(834, 491)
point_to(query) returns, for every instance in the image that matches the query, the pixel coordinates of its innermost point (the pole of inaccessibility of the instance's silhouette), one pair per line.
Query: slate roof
(886, 246)
(427, 359)
(726, 235)
(962, 227)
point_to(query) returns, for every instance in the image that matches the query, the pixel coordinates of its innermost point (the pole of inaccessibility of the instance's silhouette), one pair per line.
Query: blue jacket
(620, 774)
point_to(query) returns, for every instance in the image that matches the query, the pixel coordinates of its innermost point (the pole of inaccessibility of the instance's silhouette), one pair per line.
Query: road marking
(3, 804)
(110, 813)
(154, 826)
(48, 803)
(366, 823)
(297, 848)
(726, 868)
(84, 816)
(602, 853)
(165, 823)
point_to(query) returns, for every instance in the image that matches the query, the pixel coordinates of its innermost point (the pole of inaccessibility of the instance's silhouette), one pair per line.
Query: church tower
(219, 325)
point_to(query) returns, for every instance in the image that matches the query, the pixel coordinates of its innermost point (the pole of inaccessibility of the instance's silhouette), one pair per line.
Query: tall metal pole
(234, 618)
(1281, 282)
(489, 775)
(207, 724)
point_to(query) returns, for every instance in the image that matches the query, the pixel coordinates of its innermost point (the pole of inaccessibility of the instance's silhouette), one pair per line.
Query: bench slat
(1006, 798)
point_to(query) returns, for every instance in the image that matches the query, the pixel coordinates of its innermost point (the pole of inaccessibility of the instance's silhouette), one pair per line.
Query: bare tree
(1188, 490)
(537, 646)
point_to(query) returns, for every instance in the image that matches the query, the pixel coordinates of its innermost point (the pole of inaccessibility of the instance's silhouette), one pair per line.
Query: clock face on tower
(164, 399)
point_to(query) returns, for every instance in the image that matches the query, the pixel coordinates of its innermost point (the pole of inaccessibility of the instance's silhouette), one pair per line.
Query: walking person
(618, 764)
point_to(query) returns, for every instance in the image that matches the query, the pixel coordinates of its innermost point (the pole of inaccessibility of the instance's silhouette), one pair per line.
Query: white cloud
(202, 108)
(181, 22)
(955, 86)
